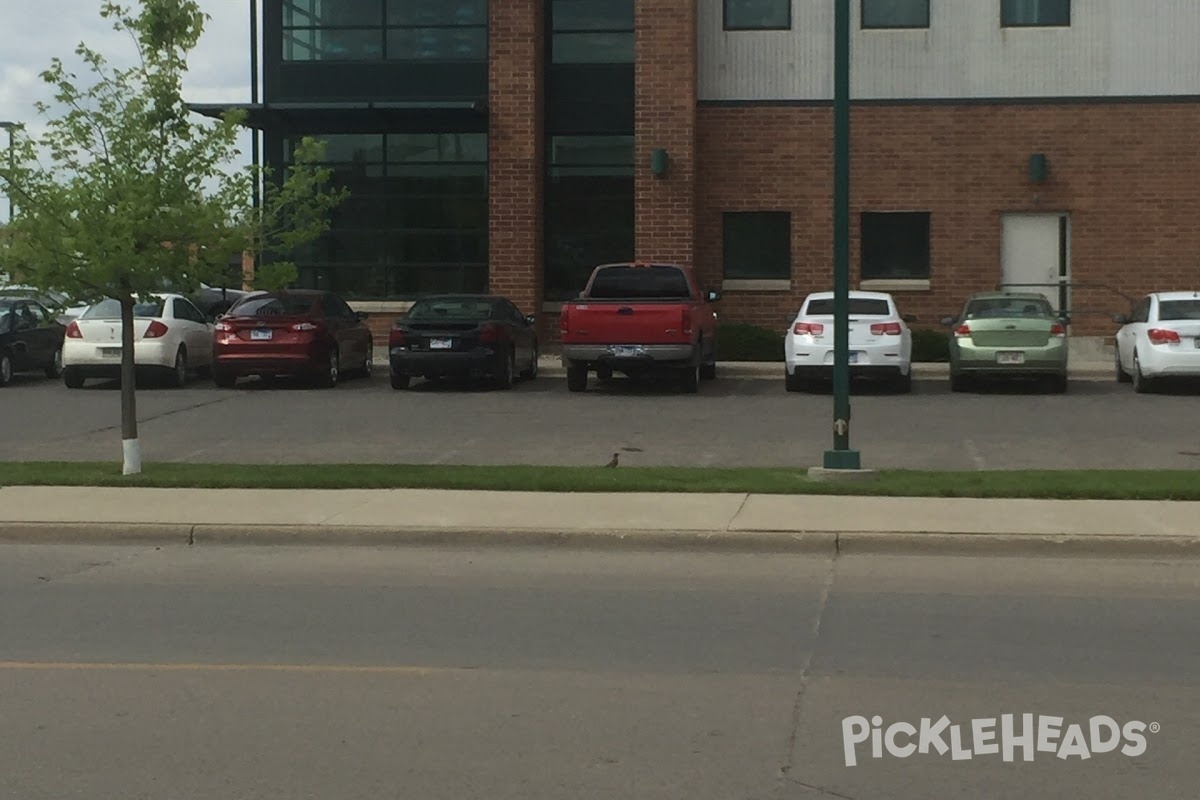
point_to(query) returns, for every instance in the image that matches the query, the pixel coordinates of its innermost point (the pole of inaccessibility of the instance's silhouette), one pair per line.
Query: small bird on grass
(616, 457)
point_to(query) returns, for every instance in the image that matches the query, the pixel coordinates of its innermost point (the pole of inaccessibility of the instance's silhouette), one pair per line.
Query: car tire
(400, 382)
(368, 367)
(6, 369)
(604, 374)
(223, 379)
(792, 381)
(72, 378)
(54, 369)
(708, 372)
(506, 371)
(959, 383)
(1141, 384)
(690, 383)
(532, 372)
(1059, 384)
(178, 377)
(577, 377)
(329, 378)
(1122, 375)
(904, 384)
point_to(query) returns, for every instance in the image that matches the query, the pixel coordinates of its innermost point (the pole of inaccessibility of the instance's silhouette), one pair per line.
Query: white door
(1034, 249)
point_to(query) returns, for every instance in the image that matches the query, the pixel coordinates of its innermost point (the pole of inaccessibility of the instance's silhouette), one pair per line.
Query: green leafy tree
(128, 192)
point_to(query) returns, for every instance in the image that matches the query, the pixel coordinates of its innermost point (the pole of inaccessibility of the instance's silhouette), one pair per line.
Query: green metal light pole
(841, 456)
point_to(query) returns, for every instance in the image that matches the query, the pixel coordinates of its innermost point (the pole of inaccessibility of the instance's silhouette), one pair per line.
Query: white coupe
(880, 341)
(172, 336)
(1160, 339)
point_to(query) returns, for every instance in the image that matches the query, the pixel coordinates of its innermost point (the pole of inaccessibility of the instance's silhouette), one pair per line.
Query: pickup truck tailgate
(637, 322)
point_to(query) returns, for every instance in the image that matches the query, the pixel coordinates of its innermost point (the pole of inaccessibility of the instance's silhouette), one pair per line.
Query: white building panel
(1112, 48)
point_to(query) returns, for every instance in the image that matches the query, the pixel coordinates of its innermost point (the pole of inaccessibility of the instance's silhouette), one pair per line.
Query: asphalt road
(1099, 424)
(264, 673)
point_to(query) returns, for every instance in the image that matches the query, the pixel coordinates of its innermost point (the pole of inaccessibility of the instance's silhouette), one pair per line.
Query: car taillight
(1162, 336)
(73, 331)
(305, 326)
(1057, 330)
(806, 328)
(223, 326)
(396, 337)
(155, 330)
(886, 329)
(489, 334)
(962, 330)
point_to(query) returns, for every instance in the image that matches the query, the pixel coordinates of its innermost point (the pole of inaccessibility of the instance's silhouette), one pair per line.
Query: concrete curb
(810, 542)
(772, 371)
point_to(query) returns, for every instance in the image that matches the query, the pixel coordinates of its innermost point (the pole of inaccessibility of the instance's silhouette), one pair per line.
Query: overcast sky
(34, 31)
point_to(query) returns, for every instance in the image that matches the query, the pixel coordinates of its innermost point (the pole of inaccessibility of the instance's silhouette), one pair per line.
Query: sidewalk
(737, 522)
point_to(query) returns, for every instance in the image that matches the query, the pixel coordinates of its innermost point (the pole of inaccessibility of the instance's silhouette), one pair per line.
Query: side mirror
(948, 321)
(712, 297)
(910, 318)
(530, 319)
(1121, 319)
(361, 316)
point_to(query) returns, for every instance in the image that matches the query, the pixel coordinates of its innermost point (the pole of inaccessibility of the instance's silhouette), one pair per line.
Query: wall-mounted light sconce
(659, 162)
(1037, 168)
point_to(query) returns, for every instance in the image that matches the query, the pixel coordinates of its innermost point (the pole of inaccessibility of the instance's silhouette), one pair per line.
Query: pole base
(842, 459)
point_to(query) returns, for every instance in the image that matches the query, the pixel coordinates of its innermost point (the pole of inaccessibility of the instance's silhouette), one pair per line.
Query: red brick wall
(515, 101)
(665, 118)
(1129, 175)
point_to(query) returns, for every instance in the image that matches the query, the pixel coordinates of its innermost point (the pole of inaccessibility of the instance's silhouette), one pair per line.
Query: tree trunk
(130, 449)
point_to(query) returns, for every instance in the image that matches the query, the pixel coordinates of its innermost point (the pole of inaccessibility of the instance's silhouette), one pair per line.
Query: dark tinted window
(6, 318)
(282, 305)
(464, 309)
(1009, 307)
(650, 283)
(1022, 13)
(111, 309)
(895, 13)
(1170, 310)
(758, 14)
(895, 245)
(592, 31)
(757, 245)
(858, 308)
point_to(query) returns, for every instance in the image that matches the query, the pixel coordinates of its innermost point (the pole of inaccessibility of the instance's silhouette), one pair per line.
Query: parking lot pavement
(1098, 424)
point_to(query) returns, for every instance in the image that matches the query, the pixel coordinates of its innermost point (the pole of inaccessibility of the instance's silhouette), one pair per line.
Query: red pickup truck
(638, 318)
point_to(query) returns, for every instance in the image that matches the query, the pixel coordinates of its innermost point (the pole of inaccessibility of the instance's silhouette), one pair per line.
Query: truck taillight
(73, 331)
(562, 319)
(1162, 336)
(808, 328)
(396, 337)
(155, 330)
(686, 321)
(886, 329)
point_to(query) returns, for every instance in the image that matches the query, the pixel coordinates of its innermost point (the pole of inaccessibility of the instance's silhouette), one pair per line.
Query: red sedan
(303, 333)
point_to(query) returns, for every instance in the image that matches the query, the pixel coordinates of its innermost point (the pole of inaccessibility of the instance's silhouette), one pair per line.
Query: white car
(172, 337)
(1160, 339)
(880, 341)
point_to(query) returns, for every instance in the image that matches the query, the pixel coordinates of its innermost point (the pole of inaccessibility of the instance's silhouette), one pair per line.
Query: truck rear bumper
(618, 356)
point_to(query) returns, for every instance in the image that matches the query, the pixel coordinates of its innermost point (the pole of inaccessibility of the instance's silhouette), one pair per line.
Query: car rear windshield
(640, 283)
(1000, 307)
(281, 306)
(433, 310)
(859, 307)
(111, 309)
(1174, 310)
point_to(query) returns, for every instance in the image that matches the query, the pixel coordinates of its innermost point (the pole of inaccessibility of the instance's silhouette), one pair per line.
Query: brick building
(511, 145)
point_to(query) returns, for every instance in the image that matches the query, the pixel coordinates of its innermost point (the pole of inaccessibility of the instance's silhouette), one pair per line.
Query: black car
(31, 339)
(463, 336)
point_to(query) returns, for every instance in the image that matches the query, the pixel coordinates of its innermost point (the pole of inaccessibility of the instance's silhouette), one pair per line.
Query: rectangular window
(415, 222)
(374, 30)
(895, 245)
(895, 13)
(437, 30)
(591, 31)
(757, 245)
(758, 15)
(589, 209)
(1035, 13)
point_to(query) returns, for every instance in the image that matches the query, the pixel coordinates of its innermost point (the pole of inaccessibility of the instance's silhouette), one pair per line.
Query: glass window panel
(593, 48)
(437, 44)
(437, 12)
(432, 148)
(332, 45)
(350, 13)
(1035, 12)
(589, 221)
(895, 13)
(591, 150)
(895, 245)
(349, 148)
(758, 14)
(592, 15)
(757, 245)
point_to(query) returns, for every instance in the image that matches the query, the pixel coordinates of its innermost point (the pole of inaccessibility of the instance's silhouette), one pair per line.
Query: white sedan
(880, 341)
(172, 336)
(1160, 339)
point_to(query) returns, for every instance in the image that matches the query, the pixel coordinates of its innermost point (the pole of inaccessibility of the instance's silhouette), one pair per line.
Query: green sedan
(1008, 335)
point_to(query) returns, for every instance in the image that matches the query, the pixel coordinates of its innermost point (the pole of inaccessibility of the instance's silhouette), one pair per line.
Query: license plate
(627, 352)
(110, 352)
(1010, 358)
(260, 335)
(441, 344)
